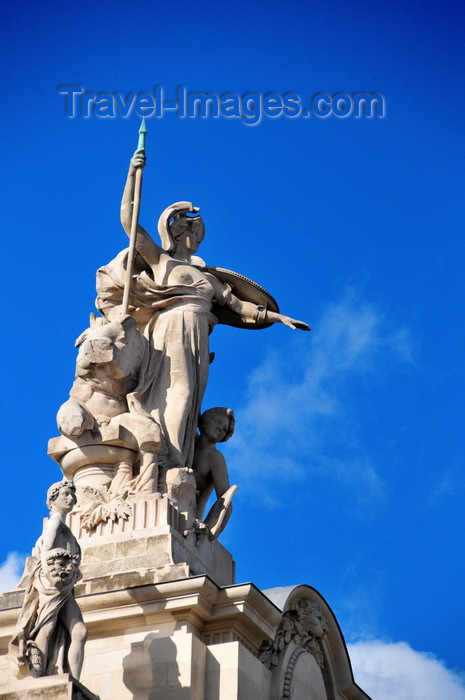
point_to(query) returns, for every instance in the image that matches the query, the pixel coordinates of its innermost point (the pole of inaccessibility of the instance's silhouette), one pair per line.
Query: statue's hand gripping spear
(135, 220)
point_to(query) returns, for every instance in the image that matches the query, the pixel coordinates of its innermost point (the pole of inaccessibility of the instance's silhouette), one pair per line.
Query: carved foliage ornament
(303, 624)
(98, 505)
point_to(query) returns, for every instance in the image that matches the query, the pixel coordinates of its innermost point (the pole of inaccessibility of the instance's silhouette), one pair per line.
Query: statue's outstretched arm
(251, 312)
(274, 317)
(149, 250)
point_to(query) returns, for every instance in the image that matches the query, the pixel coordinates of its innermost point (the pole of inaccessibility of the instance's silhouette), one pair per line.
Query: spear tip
(142, 132)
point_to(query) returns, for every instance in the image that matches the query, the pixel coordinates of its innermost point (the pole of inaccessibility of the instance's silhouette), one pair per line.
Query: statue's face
(192, 238)
(60, 570)
(65, 501)
(216, 427)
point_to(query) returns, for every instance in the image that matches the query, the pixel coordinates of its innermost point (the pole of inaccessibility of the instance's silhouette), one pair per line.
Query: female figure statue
(171, 298)
(50, 634)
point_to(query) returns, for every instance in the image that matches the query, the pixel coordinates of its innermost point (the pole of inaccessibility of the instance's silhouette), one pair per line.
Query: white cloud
(11, 571)
(302, 402)
(395, 671)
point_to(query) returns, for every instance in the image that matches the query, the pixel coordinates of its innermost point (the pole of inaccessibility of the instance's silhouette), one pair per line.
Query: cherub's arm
(219, 472)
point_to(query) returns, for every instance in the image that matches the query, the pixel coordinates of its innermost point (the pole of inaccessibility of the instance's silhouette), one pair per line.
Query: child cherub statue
(50, 634)
(215, 425)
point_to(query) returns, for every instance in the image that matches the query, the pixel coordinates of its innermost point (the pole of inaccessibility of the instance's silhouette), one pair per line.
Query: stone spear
(134, 221)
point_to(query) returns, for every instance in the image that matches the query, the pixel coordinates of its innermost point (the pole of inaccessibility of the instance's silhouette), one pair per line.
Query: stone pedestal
(194, 640)
(167, 622)
(147, 547)
(62, 687)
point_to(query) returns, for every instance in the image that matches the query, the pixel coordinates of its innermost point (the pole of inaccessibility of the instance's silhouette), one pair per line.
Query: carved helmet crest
(174, 212)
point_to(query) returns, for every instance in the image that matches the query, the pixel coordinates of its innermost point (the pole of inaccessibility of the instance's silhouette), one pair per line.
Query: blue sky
(348, 451)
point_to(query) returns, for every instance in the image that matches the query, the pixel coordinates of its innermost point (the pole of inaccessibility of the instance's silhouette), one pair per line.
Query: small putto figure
(215, 425)
(50, 634)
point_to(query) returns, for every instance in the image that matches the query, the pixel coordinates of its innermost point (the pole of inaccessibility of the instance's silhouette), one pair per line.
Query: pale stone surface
(152, 541)
(62, 687)
(233, 673)
(216, 425)
(193, 640)
(306, 680)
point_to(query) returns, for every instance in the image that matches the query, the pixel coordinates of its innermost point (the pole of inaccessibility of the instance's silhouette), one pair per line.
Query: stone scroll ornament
(50, 634)
(143, 366)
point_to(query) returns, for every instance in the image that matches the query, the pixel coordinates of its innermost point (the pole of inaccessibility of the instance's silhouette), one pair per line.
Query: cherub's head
(61, 496)
(217, 423)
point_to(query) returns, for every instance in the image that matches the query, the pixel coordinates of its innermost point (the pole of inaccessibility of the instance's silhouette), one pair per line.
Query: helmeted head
(175, 222)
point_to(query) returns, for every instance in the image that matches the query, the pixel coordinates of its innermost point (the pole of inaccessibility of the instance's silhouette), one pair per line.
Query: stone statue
(129, 428)
(50, 634)
(171, 298)
(215, 425)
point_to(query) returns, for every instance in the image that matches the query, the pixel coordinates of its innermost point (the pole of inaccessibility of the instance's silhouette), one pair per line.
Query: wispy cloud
(395, 671)
(301, 409)
(359, 603)
(450, 484)
(10, 571)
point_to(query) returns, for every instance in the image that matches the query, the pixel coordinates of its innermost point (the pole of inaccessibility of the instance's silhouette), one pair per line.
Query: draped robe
(177, 321)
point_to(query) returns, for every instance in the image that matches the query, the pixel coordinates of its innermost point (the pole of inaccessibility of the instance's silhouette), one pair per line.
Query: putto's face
(216, 427)
(65, 501)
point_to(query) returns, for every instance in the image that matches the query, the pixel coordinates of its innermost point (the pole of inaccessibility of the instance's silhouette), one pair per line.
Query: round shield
(245, 290)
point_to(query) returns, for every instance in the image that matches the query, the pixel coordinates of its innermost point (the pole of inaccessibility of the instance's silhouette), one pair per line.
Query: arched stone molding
(308, 656)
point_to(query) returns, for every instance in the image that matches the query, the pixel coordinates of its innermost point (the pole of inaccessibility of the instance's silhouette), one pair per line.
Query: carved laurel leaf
(101, 506)
(94, 516)
(122, 509)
